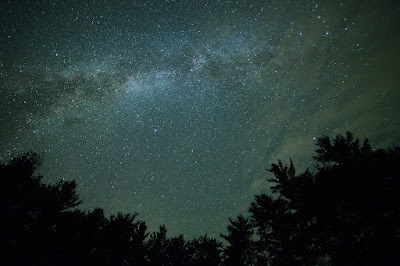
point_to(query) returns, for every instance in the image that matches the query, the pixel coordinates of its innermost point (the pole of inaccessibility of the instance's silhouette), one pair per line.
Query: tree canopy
(344, 211)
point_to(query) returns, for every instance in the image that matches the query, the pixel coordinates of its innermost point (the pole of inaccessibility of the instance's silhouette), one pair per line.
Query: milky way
(174, 109)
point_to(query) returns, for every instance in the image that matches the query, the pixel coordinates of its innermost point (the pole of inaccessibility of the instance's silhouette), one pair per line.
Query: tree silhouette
(204, 251)
(167, 251)
(177, 251)
(347, 212)
(30, 210)
(241, 247)
(340, 150)
(122, 241)
(272, 219)
(158, 247)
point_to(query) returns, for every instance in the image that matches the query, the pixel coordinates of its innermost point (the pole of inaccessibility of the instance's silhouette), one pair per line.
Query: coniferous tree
(157, 247)
(204, 251)
(31, 210)
(177, 251)
(122, 241)
(346, 212)
(241, 247)
(272, 220)
(167, 251)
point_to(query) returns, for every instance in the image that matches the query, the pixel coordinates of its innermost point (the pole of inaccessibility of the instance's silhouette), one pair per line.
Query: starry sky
(174, 109)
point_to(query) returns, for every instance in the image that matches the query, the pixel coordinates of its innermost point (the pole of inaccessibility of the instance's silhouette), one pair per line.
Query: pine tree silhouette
(347, 212)
(241, 247)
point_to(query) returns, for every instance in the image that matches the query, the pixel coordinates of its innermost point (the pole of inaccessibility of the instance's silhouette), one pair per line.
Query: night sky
(174, 109)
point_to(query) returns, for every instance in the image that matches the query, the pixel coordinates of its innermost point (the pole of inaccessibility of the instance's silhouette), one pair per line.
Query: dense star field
(174, 109)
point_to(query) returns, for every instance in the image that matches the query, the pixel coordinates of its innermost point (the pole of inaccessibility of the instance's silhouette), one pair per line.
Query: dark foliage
(345, 212)
(204, 251)
(158, 247)
(167, 251)
(31, 210)
(41, 226)
(241, 248)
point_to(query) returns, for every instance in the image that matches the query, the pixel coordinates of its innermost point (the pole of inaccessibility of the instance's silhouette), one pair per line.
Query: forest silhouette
(344, 211)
